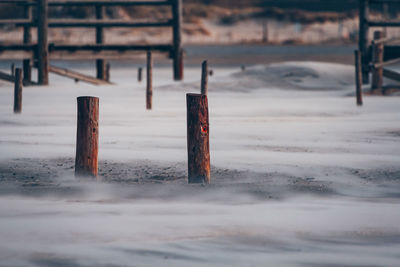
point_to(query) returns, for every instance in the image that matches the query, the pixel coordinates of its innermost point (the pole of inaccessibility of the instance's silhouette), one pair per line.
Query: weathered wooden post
(18, 91)
(211, 72)
(377, 58)
(198, 139)
(265, 31)
(87, 137)
(358, 76)
(149, 87)
(177, 39)
(204, 78)
(363, 38)
(26, 63)
(108, 69)
(12, 69)
(139, 77)
(42, 48)
(100, 63)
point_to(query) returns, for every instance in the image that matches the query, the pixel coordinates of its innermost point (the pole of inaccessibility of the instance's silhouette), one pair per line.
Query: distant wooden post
(139, 77)
(377, 73)
(265, 31)
(149, 88)
(100, 63)
(18, 91)
(363, 38)
(26, 63)
(108, 69)
(177, 39)
(358, 76)
(204, 78)
(211, 73)
(198, 139)
(42, 48)
(87, 138)
(12, 69)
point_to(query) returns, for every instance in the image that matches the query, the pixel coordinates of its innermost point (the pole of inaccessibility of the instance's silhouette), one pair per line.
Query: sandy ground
(301, 176)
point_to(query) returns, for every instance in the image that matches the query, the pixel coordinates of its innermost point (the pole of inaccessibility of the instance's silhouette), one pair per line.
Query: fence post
(363, 39)
(358, 76)
(177, 39)
(87, 137)
(100, 63)
(204, 78)
(108, 69)
(26, 63)
(18, 91)
(12, 69)
(42, 48)
(149, 87)
(198, 139)
(377, 73)
(139, 77)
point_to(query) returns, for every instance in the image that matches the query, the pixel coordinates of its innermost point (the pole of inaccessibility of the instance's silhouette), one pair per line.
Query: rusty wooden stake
(377, 73)
(204, 78)
(18, 91)
(149, 88)
(198, 139)
(358, 75)
(87, 137)
(139, 75)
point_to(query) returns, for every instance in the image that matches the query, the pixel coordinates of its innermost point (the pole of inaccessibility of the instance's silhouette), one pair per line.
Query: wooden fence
(38, 54)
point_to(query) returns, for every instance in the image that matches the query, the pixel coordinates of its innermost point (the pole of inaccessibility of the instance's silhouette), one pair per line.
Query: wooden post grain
(149, 87)
(177, 39)
(377, 73)
(139, 77)
(87, 137)
(363, 38)
(26, 63)
(100, 63)
(18, 91)
(198, 139)
(358, 76)
(42, 48)
(204, 78)
(108, 69)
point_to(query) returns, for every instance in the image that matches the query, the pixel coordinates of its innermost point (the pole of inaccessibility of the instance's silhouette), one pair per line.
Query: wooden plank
(384, 23)
(391, 74)
(387, 63)
(17, 22)
(85, 23)
(109, 3)
(108, 47)
(6, 77)
(76, 76)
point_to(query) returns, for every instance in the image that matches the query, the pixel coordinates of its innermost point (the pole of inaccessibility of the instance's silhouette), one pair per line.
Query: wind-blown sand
(301, 176)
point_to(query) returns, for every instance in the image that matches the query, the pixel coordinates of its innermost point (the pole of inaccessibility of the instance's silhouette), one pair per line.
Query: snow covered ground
(301, 176)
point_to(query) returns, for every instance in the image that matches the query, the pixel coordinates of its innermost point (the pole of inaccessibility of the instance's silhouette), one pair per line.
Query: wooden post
(177, 39)
(149, 88)
(87, 137)
(18, 91)
(265, 31)
(42, 48)
(198, 139)
(100, 63)
(377, 73)
(363, 38)
(358, 76)
(139, 77)
(204, 78)
(12, 69)
(211, 72)
(26, 63)
(108, 68)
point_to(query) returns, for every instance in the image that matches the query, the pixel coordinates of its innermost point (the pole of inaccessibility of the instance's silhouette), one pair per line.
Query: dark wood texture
(100, 63)
(198, 139)
(87, 137)
(26, 63)
(140, 74)
(363, 38)
(204, 78)
(391, 74)
(358, 76)
(177, 40)
(77, 76)
(108, 70)
(6, 77)
(12, 69)
(18, 91)
(149, 87)
(377, 73)
(42, 48)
